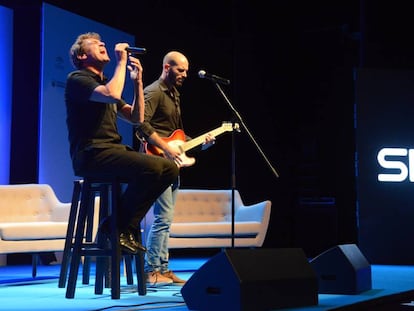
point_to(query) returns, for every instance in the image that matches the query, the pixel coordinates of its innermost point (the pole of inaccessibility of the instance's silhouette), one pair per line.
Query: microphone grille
(201, 73)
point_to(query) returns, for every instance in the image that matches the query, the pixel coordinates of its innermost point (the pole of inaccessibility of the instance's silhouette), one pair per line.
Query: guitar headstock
(230, 126)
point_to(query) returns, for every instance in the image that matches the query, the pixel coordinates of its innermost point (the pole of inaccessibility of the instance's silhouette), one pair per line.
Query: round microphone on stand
(204, 75)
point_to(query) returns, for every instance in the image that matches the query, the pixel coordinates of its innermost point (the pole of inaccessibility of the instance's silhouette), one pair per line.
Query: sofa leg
(35, 259)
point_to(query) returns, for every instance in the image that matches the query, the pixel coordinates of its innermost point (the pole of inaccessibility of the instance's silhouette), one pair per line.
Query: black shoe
(133, 236)
(129, 244)
(126, 239)
(133, 240)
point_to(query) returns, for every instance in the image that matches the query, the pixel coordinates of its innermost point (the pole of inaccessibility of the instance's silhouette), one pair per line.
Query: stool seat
(80, 241)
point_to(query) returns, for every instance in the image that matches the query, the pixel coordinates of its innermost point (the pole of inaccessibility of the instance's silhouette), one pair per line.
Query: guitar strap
(141, 140)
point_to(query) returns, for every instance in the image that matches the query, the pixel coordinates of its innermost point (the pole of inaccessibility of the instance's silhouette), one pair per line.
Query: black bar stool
(79, 240)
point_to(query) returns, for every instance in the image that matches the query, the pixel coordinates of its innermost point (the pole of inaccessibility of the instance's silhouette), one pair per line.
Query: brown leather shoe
(176, 280)
(155, 279)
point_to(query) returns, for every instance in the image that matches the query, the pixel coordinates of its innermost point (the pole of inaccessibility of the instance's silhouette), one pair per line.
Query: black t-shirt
(90, 124)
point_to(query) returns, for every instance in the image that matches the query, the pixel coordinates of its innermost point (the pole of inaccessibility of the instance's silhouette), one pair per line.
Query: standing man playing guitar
(162, 118)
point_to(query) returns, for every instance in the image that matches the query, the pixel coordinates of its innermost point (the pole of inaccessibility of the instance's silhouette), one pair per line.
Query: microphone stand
(233, 158)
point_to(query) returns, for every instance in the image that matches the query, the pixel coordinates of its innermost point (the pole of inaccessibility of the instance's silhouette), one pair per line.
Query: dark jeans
(147, 177)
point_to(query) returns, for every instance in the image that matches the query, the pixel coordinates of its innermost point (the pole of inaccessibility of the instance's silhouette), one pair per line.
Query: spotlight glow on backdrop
(6, 78)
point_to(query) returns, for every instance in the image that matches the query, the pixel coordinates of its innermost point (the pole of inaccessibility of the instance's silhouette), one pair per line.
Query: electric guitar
(177, 138)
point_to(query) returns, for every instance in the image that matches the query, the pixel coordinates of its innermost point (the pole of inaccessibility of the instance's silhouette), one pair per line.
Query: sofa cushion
(194, 205)
(33, 231)
(214, 229)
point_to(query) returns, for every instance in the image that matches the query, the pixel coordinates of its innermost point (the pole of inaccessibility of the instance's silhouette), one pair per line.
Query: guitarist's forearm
(156, 140)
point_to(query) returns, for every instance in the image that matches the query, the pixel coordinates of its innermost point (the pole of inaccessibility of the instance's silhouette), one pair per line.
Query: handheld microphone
(204, 75)
(135, 50)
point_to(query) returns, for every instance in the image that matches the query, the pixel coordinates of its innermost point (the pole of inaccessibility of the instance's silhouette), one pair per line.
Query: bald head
(174, 58)
(174, 69)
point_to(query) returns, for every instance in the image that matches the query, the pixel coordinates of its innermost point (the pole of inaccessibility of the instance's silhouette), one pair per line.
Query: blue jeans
(156, 257)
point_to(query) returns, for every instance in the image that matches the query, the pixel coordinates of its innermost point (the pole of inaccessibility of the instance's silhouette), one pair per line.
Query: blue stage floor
(391, 287)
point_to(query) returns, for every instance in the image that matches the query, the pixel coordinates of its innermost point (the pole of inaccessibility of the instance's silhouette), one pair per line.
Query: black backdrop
(384, 100)
(292, 70)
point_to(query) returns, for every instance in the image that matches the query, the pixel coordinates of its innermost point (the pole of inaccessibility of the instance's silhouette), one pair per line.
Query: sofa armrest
(255, 212)
(60, 212)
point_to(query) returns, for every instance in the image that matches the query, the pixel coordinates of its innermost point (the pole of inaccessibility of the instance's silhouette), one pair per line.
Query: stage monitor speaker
(252, 280)
(342, 269)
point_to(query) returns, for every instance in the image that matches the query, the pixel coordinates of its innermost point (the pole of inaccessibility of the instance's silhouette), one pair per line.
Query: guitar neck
(200, 139)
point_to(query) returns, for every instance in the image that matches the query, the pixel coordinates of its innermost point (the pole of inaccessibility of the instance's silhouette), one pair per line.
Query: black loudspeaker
(342, 269)
(252, 280)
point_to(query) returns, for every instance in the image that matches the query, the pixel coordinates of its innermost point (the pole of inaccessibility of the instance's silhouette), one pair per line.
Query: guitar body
(177, 138)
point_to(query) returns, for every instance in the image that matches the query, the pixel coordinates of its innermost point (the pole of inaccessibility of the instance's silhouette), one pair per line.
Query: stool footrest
(95, 252)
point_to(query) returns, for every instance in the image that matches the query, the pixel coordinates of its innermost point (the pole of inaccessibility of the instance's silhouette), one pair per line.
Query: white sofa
(202, 219)
(32, 220)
